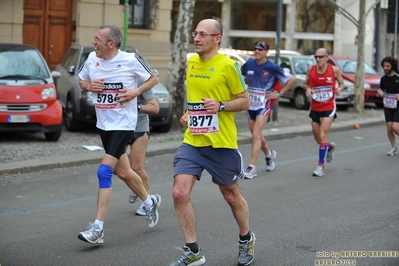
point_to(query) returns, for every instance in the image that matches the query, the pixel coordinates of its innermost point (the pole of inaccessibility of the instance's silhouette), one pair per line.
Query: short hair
(391, 60)
(115, 34)
(218, 27)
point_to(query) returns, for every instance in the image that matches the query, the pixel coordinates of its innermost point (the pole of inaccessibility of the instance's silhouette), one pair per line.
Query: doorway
(47, 26)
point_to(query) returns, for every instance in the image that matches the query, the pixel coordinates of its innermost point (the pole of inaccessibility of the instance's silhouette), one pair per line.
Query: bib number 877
(200, 120)
(107, 98)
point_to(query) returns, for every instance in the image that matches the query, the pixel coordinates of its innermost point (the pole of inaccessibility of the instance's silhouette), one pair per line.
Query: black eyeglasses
(319, 56)
(259, 49)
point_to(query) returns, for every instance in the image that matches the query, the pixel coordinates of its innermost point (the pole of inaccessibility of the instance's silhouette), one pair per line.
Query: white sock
(253, 166)
(100, 224)
(269, 154)
(148, 202)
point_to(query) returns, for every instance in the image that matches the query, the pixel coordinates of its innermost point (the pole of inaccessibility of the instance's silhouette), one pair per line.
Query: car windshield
(349, 67)
(302, 64)
(22, 64)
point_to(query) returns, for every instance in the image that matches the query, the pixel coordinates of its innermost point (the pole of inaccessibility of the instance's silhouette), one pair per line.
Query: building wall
(154, 44)
(11, 19)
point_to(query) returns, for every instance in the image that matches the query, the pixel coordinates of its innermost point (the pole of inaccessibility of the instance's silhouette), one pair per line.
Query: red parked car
(348, 67)
(28, 101)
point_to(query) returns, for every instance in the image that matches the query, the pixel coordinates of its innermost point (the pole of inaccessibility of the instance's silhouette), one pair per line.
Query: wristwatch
(222, 107)
(279, 94)
(138, 108)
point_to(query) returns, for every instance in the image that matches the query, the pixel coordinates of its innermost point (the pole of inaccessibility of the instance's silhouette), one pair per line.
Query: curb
(56, 162)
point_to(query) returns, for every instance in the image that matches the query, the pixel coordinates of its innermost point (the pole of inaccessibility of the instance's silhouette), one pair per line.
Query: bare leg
(137, 158)
(258, 141)
(391, 134)
(238, 206)
(182, 187)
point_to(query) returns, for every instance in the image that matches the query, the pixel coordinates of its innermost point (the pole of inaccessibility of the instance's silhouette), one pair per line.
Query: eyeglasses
(203, 34)
(319, 56)
(258, 49)
(96, 39)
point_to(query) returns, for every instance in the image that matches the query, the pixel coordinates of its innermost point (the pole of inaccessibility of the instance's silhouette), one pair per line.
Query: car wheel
(343, 107)
(53, 136)
(300, 99)
(379, 105)
(164, 128)
(70, 123)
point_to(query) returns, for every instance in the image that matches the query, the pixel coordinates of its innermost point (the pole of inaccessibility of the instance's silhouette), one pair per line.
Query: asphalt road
(297, 218)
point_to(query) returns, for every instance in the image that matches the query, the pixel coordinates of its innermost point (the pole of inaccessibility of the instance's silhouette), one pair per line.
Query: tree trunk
(178, 65)
(359, 77)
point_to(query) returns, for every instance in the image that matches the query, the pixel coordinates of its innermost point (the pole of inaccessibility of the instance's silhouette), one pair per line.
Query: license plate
(18, 119)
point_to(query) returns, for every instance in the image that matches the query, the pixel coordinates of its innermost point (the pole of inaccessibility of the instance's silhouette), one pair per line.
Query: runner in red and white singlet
(323, 81)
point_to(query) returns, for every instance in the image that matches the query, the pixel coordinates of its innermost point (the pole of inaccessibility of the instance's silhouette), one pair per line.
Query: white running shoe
(250, 173)
(92, 235)
(270, 161)
(393, 151)
(319, 171)
(330, 152)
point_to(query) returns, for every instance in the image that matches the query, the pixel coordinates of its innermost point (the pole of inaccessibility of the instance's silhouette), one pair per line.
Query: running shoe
(393, 151)
(92, 235)
(152, 215)
(133, 198)
(140, 211)
(330, 152)
(250, 173)
(319, 171)
(246, 251)
(188, 258)
(270, 161)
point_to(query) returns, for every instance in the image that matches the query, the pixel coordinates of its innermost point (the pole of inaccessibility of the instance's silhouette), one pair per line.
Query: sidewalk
(95, 157)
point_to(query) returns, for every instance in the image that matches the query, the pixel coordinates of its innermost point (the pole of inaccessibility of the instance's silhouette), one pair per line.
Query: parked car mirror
(55, 74)
(71, 70)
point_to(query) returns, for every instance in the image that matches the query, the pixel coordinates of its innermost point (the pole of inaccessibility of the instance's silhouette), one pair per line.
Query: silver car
(78, 104)
(298, 65)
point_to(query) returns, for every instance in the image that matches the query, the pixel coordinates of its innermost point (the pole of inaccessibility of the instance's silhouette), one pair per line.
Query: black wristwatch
(222, 107)
(138, 107)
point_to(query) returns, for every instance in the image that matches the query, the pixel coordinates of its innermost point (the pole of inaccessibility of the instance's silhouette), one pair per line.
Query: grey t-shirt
(143, 120)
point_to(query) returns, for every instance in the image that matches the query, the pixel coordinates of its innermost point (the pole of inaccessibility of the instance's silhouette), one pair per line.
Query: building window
(139, 15)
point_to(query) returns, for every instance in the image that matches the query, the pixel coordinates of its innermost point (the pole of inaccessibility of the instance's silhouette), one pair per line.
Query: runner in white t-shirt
(112, 76)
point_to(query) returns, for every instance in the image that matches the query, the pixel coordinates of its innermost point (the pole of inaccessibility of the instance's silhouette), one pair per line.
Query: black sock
(247, 237)
(193, 247)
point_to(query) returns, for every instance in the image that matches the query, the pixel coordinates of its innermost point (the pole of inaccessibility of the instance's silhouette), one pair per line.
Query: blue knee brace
(104, 175)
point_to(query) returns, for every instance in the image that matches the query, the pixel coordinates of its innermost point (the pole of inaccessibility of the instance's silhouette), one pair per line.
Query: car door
(64, 82)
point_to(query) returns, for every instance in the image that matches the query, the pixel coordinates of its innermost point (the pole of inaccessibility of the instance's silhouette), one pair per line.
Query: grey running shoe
(92, 235)
(140, 211)
(250, 173)
(188, 258)
(133, 198)
(393, 151)
(319, 171)
(270, 161)
(330, 152)
(152, 215)
(246, 251)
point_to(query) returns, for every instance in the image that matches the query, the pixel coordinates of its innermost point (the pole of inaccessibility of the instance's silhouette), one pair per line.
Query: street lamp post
(125, 24)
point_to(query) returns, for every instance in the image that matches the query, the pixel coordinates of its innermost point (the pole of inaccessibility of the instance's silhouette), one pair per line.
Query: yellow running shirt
(218, 78)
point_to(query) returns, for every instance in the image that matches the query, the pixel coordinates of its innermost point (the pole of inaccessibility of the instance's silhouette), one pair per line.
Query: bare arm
(240, 103)
(338, 76)
(150, 107)
(306, 85)
(128, 95)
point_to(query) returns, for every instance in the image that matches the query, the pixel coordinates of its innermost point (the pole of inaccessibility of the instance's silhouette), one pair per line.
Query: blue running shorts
(224, 165)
